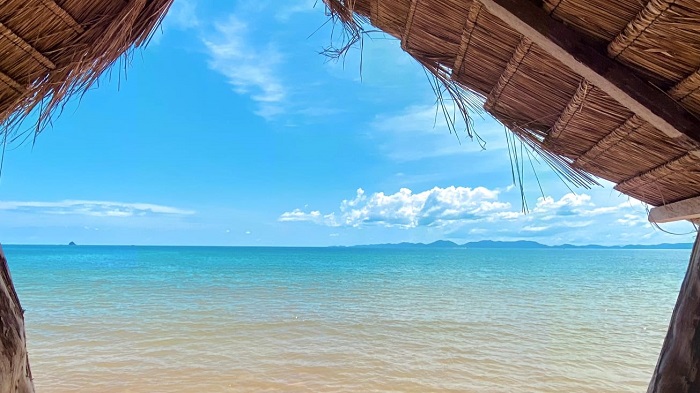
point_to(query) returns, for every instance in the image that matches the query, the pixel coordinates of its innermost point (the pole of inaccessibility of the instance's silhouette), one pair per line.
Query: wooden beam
(688, 209)
(679, 361)
(574, 50)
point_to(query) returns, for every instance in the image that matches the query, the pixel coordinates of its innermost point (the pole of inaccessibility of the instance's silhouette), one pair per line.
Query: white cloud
(249, 68)
(297, 215)
(92, 208)
(438, 207)
(631, 220)
(532, 228)
(468, 214)
(405, 209)
(568, 200)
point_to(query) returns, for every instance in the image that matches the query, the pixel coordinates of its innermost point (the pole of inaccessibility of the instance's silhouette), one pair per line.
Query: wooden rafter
(574, 50)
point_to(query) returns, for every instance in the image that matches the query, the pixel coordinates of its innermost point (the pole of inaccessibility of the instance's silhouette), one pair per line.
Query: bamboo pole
(679, 361)
(15, 375)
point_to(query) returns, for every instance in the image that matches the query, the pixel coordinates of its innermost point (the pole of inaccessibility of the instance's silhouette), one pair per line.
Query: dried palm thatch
(581, 130)
(673, 22)
(52, 50)
(603, 19)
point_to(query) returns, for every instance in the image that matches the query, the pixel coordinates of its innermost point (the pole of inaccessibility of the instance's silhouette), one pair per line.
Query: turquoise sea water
(169, 319)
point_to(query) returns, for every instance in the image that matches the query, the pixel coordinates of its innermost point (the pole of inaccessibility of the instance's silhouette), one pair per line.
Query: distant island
(525, 244)
(71, 244)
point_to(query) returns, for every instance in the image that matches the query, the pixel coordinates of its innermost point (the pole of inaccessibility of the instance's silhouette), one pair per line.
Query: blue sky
(232, 129)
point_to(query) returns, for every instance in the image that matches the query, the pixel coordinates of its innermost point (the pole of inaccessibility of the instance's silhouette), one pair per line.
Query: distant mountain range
(524, 244)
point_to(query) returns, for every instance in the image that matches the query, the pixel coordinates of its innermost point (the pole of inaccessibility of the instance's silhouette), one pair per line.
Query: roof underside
(51, 49)
(531, 91)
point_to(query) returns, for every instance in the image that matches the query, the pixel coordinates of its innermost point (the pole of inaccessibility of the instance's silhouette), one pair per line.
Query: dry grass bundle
(390, 15)
(670, 182)
(434, 29)
(482, 59)
(603, 19)
(53, 51)
(586, 121)
(588, 158)
(643, 147)
(560, 165)
(687, 92)
(664, 40)
(526, 98)
(352, 21)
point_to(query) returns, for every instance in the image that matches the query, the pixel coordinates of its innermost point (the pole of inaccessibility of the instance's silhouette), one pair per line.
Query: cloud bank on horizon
(478, 213)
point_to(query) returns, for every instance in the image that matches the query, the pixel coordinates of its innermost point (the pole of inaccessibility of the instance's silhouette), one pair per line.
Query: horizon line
(457, 245)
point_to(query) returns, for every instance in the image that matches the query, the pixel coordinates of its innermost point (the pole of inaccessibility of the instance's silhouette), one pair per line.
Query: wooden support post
(679, 362)
(15, 375)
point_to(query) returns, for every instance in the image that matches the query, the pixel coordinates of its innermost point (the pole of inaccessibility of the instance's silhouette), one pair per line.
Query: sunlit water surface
(160, 319)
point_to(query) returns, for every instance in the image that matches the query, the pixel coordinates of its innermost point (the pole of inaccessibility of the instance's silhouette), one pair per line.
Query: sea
(226, 319)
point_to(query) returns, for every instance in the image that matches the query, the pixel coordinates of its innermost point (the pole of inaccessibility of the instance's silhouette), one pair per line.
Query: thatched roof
(554, 106)
(51, 49)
